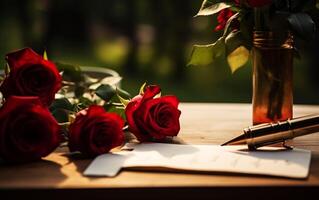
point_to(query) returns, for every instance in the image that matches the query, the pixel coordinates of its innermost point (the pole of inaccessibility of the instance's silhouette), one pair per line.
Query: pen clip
(287, 146)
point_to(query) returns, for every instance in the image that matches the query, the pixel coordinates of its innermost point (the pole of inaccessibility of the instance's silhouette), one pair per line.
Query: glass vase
(272, 77)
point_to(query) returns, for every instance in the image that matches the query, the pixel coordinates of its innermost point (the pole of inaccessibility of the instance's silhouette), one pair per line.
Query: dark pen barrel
(272, 133)
(304, 121)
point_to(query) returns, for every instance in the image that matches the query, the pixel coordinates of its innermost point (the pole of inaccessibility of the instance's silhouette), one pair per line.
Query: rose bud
(153, 118)
(31, 75)
(95, 131)
(222, 18)
(28, 131)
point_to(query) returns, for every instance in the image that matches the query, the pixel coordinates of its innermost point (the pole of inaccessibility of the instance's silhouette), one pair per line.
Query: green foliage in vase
(240, 18)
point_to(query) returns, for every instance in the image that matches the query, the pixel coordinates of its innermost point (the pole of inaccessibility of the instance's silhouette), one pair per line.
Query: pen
(278, 132)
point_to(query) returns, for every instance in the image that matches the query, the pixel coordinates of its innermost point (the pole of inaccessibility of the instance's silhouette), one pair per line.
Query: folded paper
(204, 158)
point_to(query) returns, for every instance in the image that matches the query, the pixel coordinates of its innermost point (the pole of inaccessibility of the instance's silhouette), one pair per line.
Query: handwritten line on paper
(209, 158)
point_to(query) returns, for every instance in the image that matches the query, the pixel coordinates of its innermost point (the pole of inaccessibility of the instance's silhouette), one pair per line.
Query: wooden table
(60, 175)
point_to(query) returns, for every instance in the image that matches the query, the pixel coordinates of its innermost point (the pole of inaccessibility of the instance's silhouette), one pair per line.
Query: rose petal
(17, 101)
(31, 75)
(144, 119)
(129, 113)
(95, 131)
(150, 92)
(95, 110)
(22, 121)
(21, 57)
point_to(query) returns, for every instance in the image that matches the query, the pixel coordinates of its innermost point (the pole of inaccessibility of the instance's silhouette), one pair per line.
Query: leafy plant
(251, 15)
(81, 90)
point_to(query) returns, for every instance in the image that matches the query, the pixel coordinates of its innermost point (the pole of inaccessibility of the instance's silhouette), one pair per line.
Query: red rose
(222, 18)
(258, 3)
(95, 131)
(27, 130)
(153, 118)
(31, 75)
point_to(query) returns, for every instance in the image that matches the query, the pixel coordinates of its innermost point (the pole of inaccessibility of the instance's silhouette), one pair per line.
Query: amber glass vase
(272, 76)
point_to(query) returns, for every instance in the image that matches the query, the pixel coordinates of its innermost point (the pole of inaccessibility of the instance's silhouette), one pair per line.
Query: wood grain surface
(61, 174)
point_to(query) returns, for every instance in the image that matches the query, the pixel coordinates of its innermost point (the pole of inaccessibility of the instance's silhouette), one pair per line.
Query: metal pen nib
(236, 141)
(277, 132)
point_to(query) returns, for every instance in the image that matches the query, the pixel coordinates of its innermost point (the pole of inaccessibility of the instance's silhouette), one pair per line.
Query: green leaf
(70, 72)
(90, 80)
(72, 118)
(120, 110)
(209, 8)
(62, 103)
(94, 86)
(234, 40)
(65, 125)
(111, 80)
(123, 93)
(229, 23)
(238, 58)
(45, 55)
(302, 25)
(206, 54)
(317, 4)
(6, 69)
(79, 90)
(83, 103)
(105, 92)
(141, 92)
(61, 115)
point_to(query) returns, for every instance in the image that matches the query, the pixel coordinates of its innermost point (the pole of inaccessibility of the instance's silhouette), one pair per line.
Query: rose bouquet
(45, 104)
(240, 18)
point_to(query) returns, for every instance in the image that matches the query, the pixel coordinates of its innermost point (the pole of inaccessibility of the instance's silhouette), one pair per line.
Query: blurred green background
(143, 40)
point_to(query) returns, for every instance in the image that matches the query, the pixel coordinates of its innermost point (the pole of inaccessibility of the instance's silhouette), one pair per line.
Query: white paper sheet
(205, 158)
